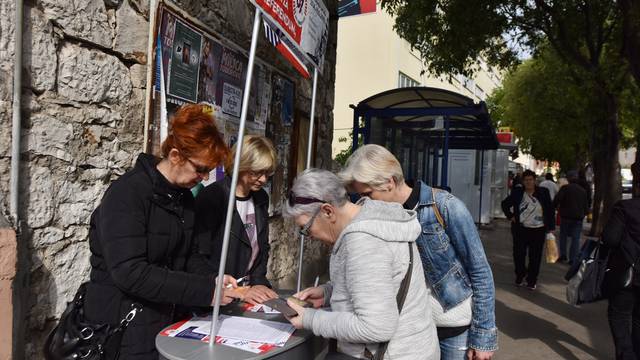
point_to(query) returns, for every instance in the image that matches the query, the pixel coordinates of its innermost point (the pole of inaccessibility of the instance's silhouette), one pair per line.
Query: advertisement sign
(305, 22)
(355, 7)
(185, 63)
(209, 64)
(231, 76)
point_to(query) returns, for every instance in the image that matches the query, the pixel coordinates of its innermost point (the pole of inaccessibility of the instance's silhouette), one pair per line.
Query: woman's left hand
(258, 294)
(296, 321)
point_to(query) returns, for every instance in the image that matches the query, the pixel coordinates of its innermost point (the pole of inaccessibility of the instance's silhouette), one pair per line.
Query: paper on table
(261, 309)
(257, 330)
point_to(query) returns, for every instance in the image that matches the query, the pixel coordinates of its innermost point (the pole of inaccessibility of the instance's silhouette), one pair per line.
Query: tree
(546, 109)
(586, 34)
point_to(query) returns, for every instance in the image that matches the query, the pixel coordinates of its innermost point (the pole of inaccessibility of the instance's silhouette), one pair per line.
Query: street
(540, 324)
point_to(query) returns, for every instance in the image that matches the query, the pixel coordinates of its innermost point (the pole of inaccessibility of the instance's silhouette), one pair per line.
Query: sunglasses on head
(299, 200)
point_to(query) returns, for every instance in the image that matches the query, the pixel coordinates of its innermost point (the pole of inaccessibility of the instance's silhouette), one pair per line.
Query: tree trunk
(609, 188)
(631, 34)
(635, 170)
(596, 206)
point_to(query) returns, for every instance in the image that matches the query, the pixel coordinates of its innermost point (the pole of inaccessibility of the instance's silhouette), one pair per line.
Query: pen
(317, 280)
(238, 281)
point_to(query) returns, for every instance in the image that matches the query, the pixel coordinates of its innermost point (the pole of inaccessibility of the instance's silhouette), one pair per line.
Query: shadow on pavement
(523, 325)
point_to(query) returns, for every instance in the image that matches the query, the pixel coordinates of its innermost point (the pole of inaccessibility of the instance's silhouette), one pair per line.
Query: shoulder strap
(400, 298)
(436, 210)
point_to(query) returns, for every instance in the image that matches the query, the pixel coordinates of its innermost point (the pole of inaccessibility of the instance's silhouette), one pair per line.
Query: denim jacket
(455, 264)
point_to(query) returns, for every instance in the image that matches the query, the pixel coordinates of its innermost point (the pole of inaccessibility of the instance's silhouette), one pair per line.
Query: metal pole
(16, 115)
(481, 185)
(234, 180)
(309, 154)
(149, 90)
(356, 128)
(444, 180)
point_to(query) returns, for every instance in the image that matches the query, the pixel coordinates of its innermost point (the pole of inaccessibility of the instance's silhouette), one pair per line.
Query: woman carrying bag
(621, 235)
(141, 239)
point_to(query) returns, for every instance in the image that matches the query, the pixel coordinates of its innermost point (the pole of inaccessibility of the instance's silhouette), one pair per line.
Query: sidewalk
(540, 324)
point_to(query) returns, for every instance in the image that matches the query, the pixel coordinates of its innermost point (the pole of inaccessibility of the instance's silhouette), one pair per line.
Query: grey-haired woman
(370, 258)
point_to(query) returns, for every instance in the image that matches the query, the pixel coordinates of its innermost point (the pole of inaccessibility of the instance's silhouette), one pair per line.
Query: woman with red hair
(141, 238)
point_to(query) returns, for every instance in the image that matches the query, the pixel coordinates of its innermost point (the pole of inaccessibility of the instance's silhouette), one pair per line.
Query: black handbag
(74, 338)
(586, 286)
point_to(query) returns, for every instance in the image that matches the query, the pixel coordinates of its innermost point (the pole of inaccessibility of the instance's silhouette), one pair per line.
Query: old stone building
(83, 110)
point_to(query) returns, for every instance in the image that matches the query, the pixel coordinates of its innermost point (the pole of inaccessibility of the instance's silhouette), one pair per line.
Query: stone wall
(83, 113)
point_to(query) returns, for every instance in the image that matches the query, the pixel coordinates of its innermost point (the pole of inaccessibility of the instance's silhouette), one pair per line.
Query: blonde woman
(249, 239)
(456, 271)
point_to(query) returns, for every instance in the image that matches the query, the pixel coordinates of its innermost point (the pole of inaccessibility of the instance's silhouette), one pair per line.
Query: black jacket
(211, 208)
(541, 194)
(621, 235)
(572, 202)
(142, 250)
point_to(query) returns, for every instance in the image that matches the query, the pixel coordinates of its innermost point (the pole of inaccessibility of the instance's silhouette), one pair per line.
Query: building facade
(372, 58)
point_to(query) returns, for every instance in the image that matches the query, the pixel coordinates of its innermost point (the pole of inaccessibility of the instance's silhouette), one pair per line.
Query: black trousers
(527, 241)
(624, 321)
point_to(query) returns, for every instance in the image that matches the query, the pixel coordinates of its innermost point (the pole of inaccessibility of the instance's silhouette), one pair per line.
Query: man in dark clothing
(572, 204)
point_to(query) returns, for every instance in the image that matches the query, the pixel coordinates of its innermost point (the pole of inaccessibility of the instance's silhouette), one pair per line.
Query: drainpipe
(150, 69)
(17, 116)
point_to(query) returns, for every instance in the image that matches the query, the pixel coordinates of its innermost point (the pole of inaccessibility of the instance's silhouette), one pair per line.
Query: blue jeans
(573, 229)
(454, 348)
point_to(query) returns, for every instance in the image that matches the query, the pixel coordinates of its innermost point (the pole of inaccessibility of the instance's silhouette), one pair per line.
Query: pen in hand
(238, 281)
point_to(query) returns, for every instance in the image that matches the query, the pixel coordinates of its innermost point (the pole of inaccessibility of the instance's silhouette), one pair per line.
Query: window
(405, 81)
(480, 93)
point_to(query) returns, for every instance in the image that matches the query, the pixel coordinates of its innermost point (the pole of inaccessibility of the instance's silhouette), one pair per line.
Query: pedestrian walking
(550, 185)
(532, 216)
(456, 268)
(621, 235)
(572, 204)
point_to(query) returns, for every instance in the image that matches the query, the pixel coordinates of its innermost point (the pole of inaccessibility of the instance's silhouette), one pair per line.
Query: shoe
(519, 280)
(562, 259)
(531, 286)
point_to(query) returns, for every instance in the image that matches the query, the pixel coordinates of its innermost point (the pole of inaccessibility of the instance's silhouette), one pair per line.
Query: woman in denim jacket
(455, 266)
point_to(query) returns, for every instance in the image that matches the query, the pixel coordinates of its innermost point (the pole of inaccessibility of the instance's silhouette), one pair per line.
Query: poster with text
(209, 64)
(231, 77)
(305, 22)
(185, 63)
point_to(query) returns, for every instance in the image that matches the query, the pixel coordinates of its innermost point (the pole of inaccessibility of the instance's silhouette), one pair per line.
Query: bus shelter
(420, 125)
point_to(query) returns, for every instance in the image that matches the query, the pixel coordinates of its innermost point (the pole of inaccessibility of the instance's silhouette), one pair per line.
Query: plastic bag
(551, 249)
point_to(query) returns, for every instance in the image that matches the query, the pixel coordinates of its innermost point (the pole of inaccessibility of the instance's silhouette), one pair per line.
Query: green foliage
(343, 155)
(452, 36)
(546, 109)
(553, 113)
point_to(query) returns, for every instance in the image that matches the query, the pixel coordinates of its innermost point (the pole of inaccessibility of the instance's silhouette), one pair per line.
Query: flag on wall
(277, 39)
(356, 7)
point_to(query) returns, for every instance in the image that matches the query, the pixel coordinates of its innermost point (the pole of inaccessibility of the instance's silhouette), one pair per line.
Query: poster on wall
(283, 99)
(231, 77)
(305, 22)
(184, 63)
(209, 64)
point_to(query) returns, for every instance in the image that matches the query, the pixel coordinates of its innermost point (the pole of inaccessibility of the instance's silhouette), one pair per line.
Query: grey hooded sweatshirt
(368, 262)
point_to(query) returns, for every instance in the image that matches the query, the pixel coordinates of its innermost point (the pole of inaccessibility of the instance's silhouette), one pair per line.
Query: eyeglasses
(200, 169)
(259, 174)
(299, 200)
(305, 230)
